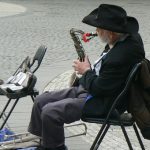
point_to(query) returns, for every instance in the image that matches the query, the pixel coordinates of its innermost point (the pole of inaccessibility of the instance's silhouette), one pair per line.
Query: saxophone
(77, 36)
(77, 43)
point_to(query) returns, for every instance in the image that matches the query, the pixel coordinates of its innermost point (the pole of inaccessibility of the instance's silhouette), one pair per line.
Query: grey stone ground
(9, 9)
(48, 22)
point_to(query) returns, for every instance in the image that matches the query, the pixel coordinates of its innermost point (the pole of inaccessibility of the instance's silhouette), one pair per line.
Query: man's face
(104, 35)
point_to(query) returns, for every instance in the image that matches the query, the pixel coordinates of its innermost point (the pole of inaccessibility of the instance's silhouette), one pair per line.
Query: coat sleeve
(107, 83)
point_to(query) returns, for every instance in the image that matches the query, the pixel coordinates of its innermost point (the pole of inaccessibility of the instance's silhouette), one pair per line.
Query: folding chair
(114, 118)
(30, 91)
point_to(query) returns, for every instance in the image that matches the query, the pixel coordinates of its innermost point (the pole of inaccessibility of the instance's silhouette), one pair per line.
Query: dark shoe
(40, 148)
(63, 147)
(66, 148)
(1, 82)
(58, 148)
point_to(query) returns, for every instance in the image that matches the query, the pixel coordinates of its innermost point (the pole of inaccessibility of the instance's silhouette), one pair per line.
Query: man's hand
(82, 67)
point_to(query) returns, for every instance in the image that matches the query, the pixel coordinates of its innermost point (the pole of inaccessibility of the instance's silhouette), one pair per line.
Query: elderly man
(99, 85)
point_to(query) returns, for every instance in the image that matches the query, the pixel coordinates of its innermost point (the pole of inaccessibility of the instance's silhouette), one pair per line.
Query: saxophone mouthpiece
(86, 37)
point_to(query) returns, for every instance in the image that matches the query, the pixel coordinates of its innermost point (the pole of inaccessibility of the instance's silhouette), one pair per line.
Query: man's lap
(67, 110)
(58, 95)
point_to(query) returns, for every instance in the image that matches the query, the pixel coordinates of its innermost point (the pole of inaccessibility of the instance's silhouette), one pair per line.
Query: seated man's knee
(51, 112)
(39, 100)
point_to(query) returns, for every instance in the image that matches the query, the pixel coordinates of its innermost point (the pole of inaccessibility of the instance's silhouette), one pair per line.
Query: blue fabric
(3, 135)
(88, 97)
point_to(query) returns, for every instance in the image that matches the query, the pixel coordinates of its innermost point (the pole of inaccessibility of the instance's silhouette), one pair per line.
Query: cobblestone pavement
(8, 9)
(48, 22)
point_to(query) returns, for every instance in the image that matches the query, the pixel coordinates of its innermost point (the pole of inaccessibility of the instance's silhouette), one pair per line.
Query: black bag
(139, 99)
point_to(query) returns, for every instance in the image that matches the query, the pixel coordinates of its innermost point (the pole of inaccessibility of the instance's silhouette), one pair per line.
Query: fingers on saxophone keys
(75, 61)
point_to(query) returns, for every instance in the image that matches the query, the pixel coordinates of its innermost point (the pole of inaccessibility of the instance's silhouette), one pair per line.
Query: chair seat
(126, 119)
(18, 94)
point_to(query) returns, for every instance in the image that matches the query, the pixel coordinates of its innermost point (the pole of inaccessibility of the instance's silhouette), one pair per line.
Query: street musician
(99, 85)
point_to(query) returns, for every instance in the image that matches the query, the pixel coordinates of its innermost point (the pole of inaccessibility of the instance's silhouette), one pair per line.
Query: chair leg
(126, 137)
(138, 136)
(100, 136)
(124, 130)
(3, 111)
(32, 97)
(3, 118)
(9, 113)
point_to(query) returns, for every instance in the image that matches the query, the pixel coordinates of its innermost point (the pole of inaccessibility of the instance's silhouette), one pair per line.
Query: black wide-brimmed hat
(113, 18)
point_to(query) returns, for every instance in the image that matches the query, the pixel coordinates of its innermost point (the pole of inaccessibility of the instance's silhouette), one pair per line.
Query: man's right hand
(82, 67)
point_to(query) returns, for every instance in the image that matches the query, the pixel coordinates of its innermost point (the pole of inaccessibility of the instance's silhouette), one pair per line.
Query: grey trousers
(51, 110)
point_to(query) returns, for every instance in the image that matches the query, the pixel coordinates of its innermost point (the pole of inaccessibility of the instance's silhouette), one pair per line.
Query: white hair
(106, 39)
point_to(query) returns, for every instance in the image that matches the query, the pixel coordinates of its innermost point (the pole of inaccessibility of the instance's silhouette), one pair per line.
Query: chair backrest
(23, 66)
(129, 80)
(131, 76)
(38, 57)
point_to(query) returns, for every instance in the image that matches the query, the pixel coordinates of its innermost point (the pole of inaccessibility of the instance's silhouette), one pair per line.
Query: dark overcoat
(115, 68)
